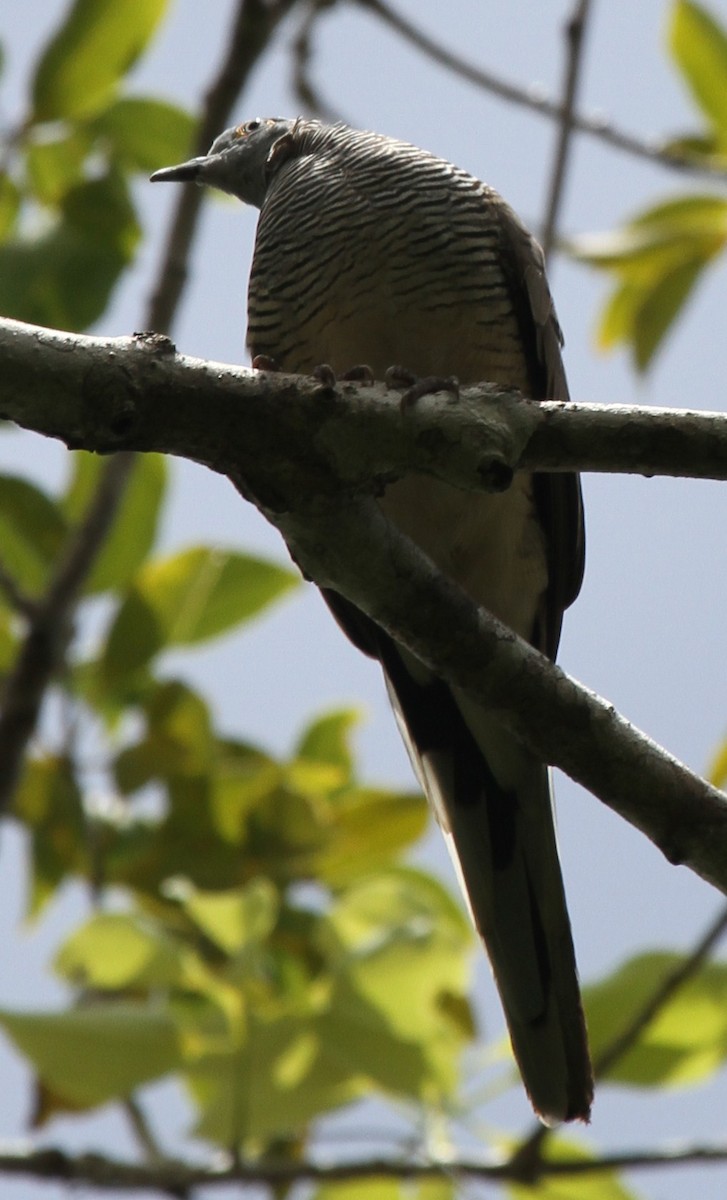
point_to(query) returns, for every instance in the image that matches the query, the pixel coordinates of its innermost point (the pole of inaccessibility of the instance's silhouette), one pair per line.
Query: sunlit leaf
(144, 132)
(133, 533)
(188, 598)
(9, 205)
(86, 59)
(717, 773)
(276, 1083)
(387, 1189)
(371, 828)
(660, 306)
(698, 44)
(178, 740)
(365, 1189)
(658, 236)
(328, 739)
(56, 164)
(243, 777)
(687, 1040)
(8, 640)
(121, 950)
(405, 948)
(234, 919)
(696, 145)
(656, 258)
(96, 1052)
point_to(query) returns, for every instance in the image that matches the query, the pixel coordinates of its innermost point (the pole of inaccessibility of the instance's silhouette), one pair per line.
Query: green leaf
(660, 306)
(717, 773)
(85, 61)
(686, 1041)
(234, 919)
(698, 44)
(188, 598)
(8, 640)
(96, 1052)
(405, 948)
(327, 739)
(9, 205)
(32, 531)
(369, 830)
(387, 1189)
(698, 146)
(657, 258)
(133, 533)
(658, 236)
(49, 803)
(56, 165)
(364, 1189)
(115, 951)
(64, 278)
(243, 778)
(178, 742)
(280, 1079)
(142, 132)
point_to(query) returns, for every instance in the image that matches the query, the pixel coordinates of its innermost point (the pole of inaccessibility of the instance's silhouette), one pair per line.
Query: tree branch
(596, 127)
(311, 457)
(676, 979)
(175, 1176)
(575, 32)
(110, 394)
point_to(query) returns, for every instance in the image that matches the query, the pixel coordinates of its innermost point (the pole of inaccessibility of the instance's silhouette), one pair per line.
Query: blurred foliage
(252, 928)
(68, 222)
(657, 257)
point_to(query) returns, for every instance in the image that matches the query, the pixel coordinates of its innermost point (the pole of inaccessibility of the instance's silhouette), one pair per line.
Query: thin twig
(681, 974)
(254, 24)
(528, 1156)
(575, 31)
(19, 601)
(142, 1131)
(42, 651)
(596, 127)
(303, 85)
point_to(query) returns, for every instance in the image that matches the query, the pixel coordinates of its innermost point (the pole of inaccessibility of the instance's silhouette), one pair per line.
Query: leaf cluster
(657, 258)
(68, 222)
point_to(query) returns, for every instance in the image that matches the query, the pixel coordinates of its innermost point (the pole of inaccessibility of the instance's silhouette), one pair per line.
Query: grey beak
(187, 172)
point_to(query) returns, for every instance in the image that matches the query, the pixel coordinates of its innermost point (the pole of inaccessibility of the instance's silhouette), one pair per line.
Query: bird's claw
(417, 386)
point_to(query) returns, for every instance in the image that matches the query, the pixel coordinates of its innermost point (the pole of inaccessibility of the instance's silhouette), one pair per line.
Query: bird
(372, 251)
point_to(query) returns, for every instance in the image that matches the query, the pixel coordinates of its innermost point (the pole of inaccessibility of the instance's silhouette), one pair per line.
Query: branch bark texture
(313, 457)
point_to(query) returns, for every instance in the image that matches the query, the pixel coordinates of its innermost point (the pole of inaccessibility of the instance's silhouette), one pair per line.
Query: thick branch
(310, 457)
(109, 394)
